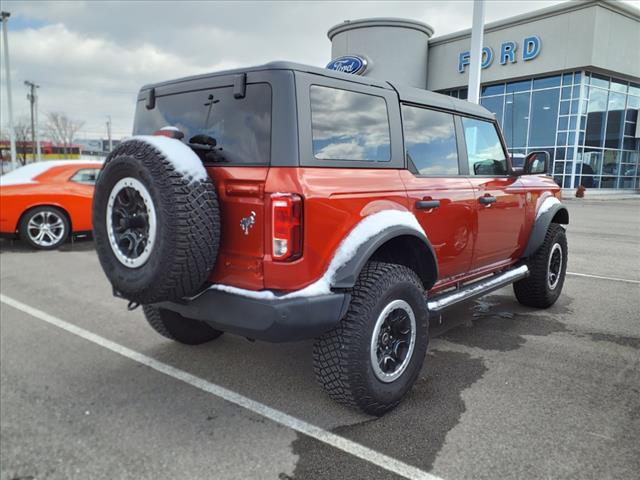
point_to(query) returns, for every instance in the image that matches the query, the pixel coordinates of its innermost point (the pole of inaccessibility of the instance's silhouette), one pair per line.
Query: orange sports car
(45, 202)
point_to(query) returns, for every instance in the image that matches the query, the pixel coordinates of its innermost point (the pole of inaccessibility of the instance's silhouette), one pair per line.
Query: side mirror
(536, 163)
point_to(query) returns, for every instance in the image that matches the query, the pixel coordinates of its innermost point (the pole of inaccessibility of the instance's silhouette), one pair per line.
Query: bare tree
(62, 129)
(22, 133)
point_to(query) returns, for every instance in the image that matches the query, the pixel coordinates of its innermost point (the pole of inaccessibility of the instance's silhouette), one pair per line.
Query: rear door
(227, 122)
(442, 200)
(500, 197)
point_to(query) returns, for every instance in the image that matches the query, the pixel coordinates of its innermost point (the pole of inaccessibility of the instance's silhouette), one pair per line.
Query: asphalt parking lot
(506, 391)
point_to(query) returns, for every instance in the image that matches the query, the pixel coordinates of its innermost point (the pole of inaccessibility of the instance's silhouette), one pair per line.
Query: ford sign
(349, 64)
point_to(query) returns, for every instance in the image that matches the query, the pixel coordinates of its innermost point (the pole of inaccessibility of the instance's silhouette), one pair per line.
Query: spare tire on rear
(156, 220)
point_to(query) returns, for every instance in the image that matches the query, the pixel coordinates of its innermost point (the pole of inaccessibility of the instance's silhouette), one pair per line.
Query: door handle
(487, 200)
(427, 204)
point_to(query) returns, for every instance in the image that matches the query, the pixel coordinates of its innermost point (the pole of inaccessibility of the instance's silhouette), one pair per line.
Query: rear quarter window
(349, 125)
(87, 176)
(241, 127)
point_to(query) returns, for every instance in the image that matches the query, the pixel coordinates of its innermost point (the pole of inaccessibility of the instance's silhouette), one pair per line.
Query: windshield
(219, 127)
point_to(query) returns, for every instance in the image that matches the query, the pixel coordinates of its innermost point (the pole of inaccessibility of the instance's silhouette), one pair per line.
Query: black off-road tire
(24, 226)
(535, 290)
(342, 362)
(187, 226)
(178, 328)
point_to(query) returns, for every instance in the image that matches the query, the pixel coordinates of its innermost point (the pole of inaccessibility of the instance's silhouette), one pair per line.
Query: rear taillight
(286, 215)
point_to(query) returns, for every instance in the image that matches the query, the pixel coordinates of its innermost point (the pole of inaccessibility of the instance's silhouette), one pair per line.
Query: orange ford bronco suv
(288, 202)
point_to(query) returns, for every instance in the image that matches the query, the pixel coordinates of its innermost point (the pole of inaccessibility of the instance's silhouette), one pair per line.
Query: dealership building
(564, 79)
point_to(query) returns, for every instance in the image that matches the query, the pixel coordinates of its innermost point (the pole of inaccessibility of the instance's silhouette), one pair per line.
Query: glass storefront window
(572, 122)
(562, 138)
(492, 90)
(596, 117)
(575, 104)
(599, 80)
(618, 86)
(494, 104)
(546, 82)
(544, 112)
(521, 86)
(563, 123)
(581, 115)
(610, 169)
(516, 119)
(570, 153)
(615, 120)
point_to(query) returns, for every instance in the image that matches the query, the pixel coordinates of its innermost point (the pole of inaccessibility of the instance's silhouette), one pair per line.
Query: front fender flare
(541, 225)
(347, 274)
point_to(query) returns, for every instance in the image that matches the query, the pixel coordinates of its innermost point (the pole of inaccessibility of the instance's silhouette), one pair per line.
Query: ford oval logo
(349, 64)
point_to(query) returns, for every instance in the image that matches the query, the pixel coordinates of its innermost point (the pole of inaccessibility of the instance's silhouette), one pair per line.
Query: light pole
(475, 62)
(12, 133)
(32, 96)
(109, 133)
(38, 150)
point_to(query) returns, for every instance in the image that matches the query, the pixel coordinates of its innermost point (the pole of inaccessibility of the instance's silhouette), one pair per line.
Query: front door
(500, 197)
(442, 200)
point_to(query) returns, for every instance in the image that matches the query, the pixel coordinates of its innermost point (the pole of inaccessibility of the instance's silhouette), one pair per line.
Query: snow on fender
(156, 220)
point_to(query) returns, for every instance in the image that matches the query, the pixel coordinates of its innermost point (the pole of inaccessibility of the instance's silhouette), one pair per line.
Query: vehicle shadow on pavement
(80, 244)
(281, 376)
(416, 431)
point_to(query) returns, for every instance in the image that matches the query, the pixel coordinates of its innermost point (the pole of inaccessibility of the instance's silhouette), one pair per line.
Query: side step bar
(476, 289)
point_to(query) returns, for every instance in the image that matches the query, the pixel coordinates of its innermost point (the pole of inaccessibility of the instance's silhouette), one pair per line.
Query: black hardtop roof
(280, 65)
(406, 93)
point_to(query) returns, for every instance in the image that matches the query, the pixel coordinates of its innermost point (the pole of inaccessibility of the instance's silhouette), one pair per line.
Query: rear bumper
(276, 320)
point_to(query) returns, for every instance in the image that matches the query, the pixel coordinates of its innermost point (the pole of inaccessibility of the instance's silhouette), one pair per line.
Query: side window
(430, 141)
(88, 176)
(349, 125)
(484, 150)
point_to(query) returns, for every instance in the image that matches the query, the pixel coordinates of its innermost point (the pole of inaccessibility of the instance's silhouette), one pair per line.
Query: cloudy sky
(91, 57)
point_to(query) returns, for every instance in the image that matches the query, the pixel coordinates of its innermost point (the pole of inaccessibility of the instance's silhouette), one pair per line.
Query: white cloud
(340, 151)
(90, 77)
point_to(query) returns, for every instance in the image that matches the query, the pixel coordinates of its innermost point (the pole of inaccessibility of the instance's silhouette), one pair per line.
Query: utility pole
(475, 62)
(12, 133)
(109, 133)
(32, 96)
(38, 150)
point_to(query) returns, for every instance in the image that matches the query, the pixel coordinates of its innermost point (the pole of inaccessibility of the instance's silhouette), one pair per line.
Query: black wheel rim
(131, 222)
(554, 269)
(393, 340)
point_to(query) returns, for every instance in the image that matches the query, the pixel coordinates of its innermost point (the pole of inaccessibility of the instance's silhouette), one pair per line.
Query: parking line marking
(613, 279)
(353, 448)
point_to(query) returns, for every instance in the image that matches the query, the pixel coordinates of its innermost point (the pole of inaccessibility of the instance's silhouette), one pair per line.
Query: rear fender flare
(427, 269)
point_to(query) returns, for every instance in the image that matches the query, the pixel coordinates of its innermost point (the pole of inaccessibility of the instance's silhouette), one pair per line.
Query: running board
(476, 289)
